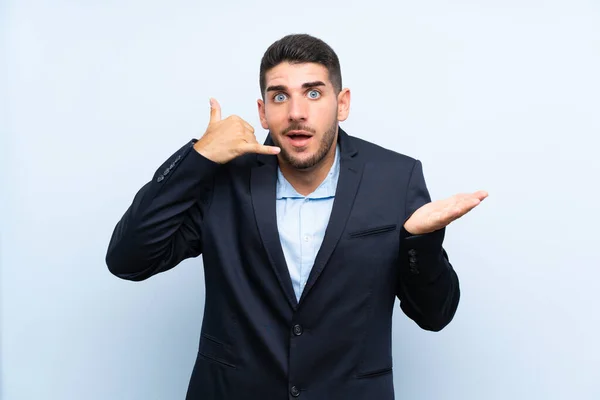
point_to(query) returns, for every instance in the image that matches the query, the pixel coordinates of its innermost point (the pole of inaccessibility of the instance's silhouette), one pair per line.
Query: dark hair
(301, 48)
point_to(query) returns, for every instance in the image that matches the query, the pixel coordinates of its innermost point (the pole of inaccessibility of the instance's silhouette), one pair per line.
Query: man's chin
(300, 163)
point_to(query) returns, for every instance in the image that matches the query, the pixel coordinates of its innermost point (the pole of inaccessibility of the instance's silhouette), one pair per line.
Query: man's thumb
(215, 111)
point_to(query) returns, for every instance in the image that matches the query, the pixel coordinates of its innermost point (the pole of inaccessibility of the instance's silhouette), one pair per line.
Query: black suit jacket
(257, 341)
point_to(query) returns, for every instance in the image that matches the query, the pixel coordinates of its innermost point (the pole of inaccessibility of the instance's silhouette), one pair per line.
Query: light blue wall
(495, 95)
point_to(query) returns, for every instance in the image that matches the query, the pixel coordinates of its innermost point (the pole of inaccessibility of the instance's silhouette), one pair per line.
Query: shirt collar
(324, 190)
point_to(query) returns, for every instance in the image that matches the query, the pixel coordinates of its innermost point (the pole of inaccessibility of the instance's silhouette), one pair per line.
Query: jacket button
(297, 330)
(294, 391)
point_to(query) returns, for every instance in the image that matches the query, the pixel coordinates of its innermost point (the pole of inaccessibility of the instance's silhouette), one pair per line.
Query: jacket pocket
(374, 374)
(373, 231)
(216, 351)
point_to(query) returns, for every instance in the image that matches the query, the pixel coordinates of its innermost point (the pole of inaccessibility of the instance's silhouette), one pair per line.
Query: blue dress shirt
(302, 220)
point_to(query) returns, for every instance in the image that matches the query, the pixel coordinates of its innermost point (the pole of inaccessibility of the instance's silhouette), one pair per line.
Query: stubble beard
(320, 154)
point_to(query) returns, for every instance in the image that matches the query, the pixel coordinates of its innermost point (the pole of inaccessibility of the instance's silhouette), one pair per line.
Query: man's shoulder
(372, 152)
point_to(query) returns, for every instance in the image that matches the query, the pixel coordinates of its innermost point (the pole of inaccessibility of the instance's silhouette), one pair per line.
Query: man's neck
(307, 181)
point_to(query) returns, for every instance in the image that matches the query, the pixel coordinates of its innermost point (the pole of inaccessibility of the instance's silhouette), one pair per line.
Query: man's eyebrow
(312, 84)
(276, 88)
(282, 88)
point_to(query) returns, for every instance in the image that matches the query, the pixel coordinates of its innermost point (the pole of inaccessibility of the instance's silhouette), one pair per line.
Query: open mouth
(299, 139)
(300, 136)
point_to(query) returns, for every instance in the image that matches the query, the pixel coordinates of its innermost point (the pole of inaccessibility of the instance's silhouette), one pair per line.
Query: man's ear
(261, 113)
(343, 104)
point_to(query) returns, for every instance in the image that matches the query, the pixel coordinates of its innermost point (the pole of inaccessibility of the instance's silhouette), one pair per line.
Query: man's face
(302, 110)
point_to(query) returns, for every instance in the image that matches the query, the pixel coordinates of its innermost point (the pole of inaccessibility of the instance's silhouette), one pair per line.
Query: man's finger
(481, 194)
(215, 111)
(469, 202)
(261, 149)
(248, 126)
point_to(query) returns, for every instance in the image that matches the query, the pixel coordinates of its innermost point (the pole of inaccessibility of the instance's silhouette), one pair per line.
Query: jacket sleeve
(428, 287)
(163, 225)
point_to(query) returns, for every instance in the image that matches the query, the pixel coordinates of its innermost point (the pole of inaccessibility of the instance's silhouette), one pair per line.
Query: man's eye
(279, 97)
(314, 94)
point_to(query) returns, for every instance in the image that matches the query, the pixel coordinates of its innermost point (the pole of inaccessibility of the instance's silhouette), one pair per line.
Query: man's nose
(298, 110)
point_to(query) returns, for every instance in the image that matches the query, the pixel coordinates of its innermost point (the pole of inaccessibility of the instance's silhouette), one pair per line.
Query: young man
(306, 241)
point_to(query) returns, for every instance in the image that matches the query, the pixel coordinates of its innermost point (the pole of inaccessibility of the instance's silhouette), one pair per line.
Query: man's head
(302, 99)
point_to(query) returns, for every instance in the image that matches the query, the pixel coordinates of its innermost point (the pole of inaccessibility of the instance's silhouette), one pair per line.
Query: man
(306, 241)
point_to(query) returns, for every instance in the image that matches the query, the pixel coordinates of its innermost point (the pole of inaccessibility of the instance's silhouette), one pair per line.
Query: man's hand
(438, 214)
(227, 139)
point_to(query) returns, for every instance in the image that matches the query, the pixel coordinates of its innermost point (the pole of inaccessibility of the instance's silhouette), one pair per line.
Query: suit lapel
(263, 184)
(351, 169)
